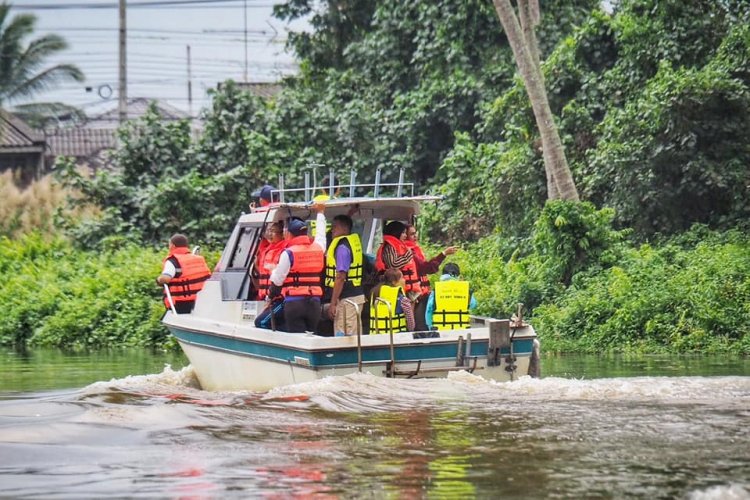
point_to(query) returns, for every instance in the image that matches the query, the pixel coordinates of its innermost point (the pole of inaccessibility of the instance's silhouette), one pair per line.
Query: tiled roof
(265, 90)
(80, 142)
(136, 109)
(15, 133)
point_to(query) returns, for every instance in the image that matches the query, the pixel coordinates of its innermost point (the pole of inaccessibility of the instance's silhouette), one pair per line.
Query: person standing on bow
(393, 253)
(343, 278)
(424, 268)
(298, 275)
(183, 273)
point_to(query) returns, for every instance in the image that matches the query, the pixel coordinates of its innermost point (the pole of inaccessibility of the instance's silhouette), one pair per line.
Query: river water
(125, 425)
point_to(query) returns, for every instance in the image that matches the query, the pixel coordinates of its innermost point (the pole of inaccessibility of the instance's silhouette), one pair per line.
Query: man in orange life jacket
(298, 276)
(183, 273)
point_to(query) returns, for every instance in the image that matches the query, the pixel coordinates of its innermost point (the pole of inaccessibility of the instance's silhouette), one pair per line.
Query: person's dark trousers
(264, 318)
(420, 308)
(302, 315)
(184, 307)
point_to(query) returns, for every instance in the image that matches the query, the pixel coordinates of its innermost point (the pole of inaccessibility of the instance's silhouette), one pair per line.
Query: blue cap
(265, 193)
(296, 226)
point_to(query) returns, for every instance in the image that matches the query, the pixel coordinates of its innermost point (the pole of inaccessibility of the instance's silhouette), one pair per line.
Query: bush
(678, 297)
(55, 295)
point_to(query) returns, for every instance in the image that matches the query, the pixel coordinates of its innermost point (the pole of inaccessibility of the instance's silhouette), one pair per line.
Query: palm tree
(23, 72)
(522, 39)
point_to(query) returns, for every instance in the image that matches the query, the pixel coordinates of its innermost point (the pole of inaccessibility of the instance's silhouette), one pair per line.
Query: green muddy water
(123, 424)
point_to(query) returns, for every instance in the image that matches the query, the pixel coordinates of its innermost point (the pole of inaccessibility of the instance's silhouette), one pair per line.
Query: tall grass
(34, 208)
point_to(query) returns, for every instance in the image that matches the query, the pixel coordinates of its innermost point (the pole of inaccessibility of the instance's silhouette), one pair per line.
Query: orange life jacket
(409, 270)
(306, 274)
(424, 280)
(266, 263)
(192, 274)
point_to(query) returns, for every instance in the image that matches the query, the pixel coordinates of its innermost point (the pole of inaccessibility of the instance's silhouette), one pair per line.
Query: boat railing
(359, 331)
(312, 190)
(169, 299)
(389, 322)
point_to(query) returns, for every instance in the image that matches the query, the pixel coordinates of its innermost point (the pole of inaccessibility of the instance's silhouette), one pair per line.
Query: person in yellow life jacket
(268, 257)
(449, 304)
(343, 278)
(298, 275)
(424, 269)
(183, 273)
(398, 314)
(393, 253)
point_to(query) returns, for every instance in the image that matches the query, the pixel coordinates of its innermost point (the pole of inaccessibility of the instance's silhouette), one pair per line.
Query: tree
(522, 39)
(22, 67)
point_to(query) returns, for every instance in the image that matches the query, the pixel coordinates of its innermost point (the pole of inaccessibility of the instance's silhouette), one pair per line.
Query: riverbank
(689, 294)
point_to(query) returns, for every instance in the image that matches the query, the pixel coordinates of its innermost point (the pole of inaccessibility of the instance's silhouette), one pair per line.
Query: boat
(228, 352)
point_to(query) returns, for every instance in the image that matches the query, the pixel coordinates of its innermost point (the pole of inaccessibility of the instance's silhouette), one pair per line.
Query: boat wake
(364, 393)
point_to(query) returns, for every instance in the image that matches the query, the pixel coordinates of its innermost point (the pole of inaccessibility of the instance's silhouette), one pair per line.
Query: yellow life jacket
(354, 276)
(381, 321)
(451, 305)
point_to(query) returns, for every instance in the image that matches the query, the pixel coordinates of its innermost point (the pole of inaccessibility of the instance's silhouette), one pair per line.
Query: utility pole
(245, 19)
(190, 85)
(123, 92)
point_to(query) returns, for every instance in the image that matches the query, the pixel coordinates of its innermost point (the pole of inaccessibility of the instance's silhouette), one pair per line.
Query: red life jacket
(306, 274)
(409, 270)
(192, 274)
(266, 263)
(424, 280)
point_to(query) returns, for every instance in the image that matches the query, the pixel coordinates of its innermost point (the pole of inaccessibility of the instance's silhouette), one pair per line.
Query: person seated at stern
(393, 312)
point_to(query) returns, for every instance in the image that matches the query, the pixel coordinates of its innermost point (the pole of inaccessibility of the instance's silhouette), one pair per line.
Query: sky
(159, 32)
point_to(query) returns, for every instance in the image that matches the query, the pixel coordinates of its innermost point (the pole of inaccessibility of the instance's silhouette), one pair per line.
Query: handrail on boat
(308, 191)
(390, 330)
(169, 299)
(359, 331)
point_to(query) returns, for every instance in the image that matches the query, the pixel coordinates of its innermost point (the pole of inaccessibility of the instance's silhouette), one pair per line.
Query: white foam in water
(463, 384)
(731, 492)
(184, 377)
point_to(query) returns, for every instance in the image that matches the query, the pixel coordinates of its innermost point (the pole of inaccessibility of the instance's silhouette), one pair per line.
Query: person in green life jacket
(450, 302)
(399, 317)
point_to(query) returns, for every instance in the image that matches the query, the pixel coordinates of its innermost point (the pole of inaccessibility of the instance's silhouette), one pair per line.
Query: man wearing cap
(265, 196)
(298, 275)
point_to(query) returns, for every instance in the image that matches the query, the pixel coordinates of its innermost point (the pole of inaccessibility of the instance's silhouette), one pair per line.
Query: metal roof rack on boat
(333, 190)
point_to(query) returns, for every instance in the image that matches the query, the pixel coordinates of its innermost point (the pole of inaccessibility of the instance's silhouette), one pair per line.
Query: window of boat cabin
(236, 283)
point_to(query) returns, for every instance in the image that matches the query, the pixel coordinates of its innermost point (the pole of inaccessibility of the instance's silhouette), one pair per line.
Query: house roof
(81, 142)
(16, 135)
(136, 109)
(266, 90)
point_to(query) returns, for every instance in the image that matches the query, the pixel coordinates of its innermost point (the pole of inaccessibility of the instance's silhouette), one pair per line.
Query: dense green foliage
(653, 106)
(692, 294)
(54, 295)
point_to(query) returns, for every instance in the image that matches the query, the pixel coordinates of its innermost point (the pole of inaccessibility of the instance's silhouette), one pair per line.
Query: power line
(213, 4)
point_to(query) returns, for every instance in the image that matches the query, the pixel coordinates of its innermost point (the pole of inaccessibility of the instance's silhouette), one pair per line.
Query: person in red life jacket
(183, 273)
(271, 246)
(298, 276)
(393, 253)
(424, 269)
